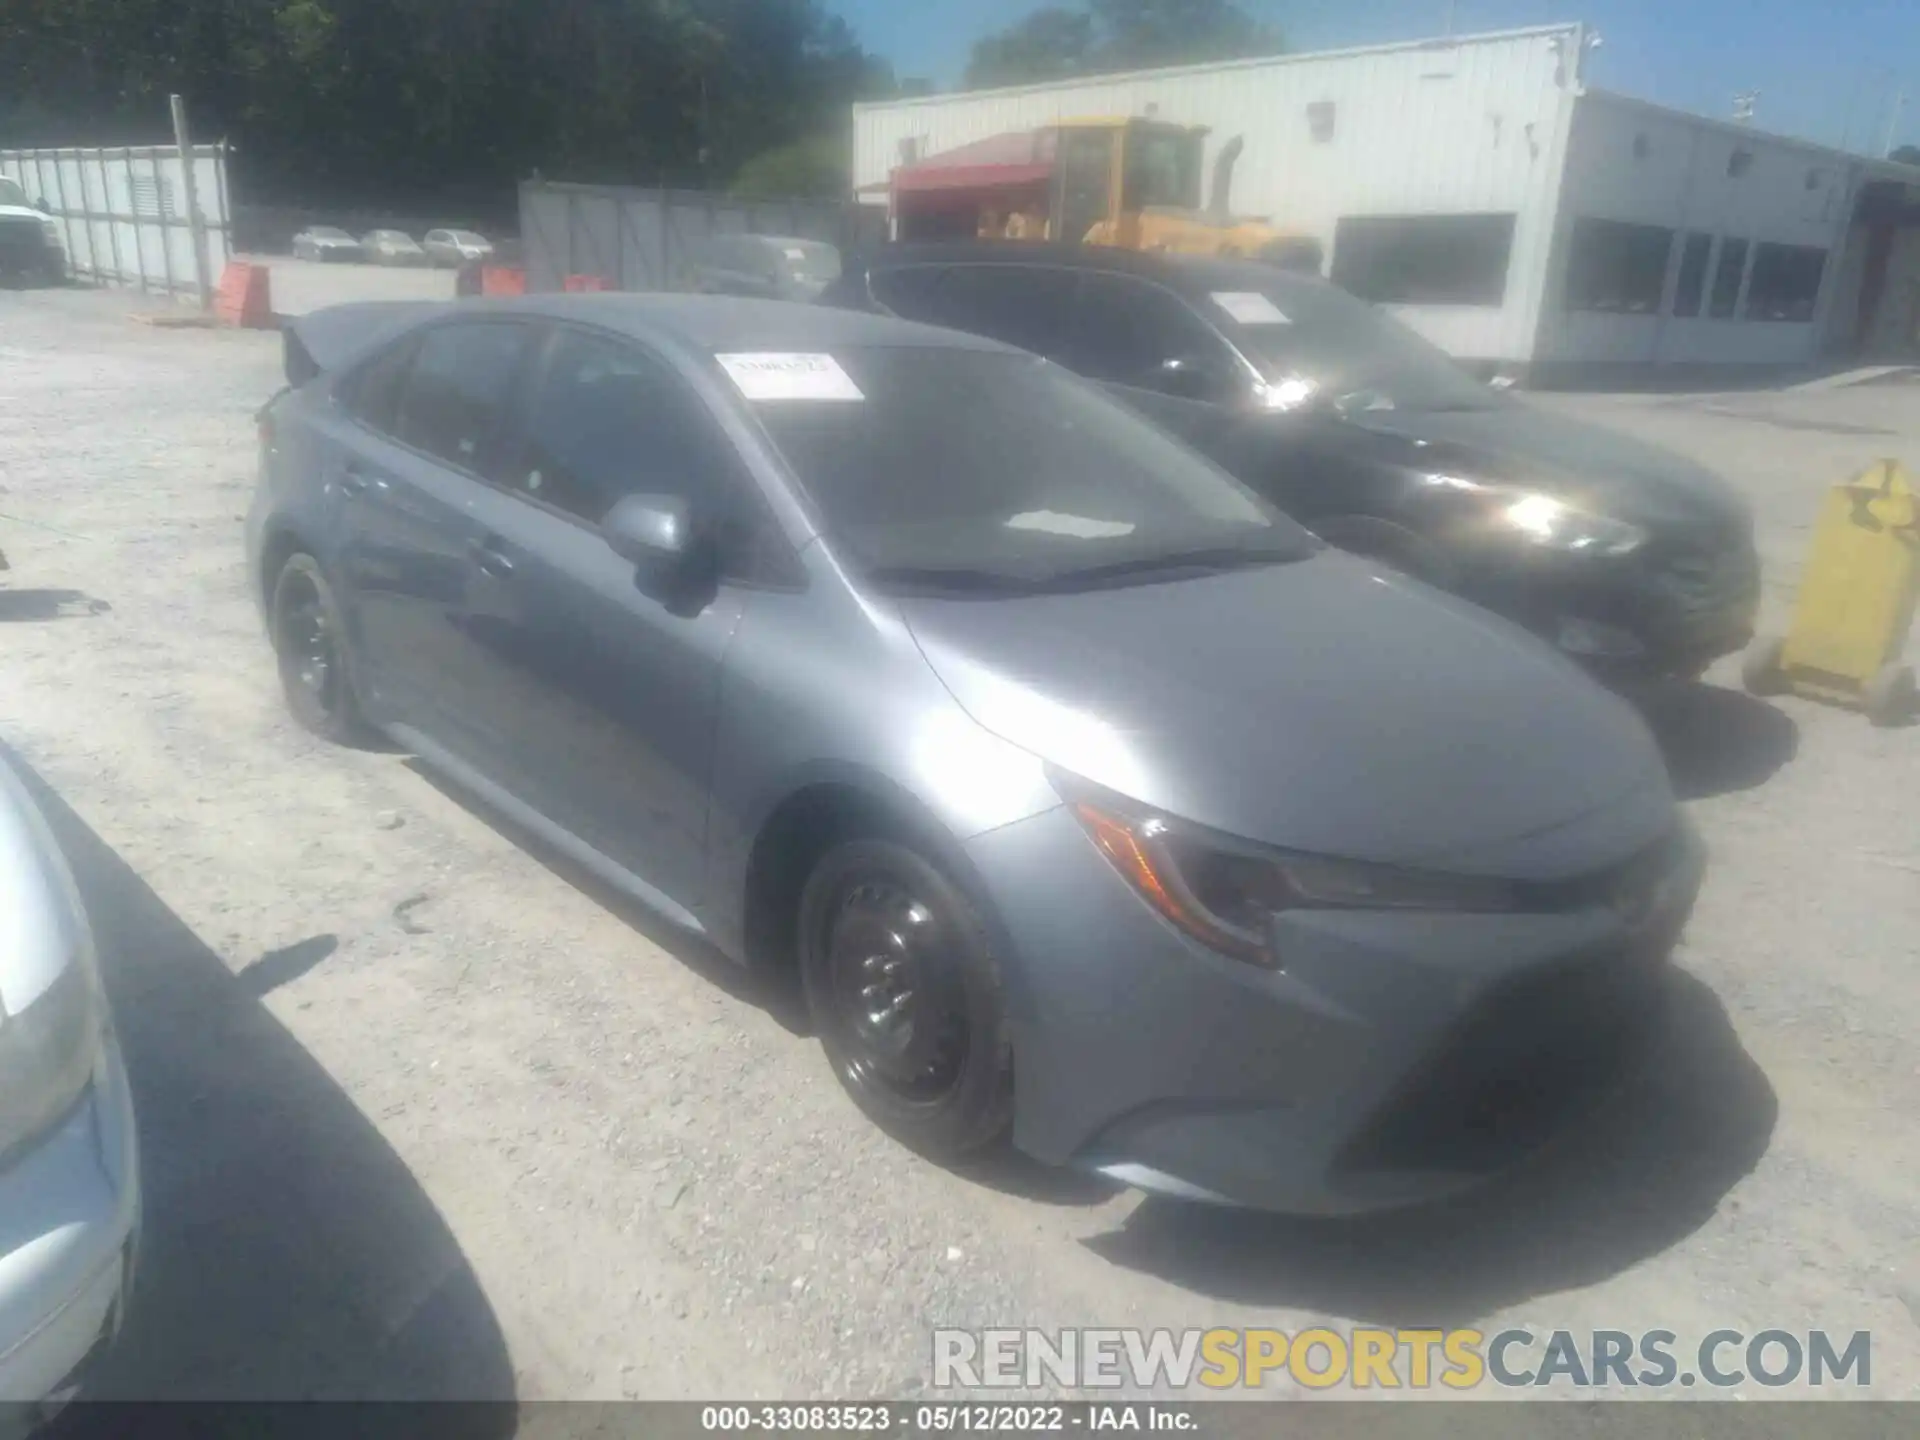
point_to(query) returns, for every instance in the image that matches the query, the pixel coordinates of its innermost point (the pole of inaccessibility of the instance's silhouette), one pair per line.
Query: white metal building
(1481, 189)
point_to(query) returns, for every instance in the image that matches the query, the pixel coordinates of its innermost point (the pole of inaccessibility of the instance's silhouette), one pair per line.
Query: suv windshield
(969, 470)
(1357, 357)
(11, 193)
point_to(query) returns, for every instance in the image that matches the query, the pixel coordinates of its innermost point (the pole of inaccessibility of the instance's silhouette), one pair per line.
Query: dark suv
(1631, 559)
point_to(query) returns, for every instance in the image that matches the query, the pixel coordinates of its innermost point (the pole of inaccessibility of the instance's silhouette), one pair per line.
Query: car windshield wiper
(1208, 559)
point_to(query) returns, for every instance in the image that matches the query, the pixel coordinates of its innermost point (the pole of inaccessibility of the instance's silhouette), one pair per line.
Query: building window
(1726, 279)
(1785, 283)
(1692, 288)
(1424, 259)
(1739, 163)
(1320, 121)
(1617, 268)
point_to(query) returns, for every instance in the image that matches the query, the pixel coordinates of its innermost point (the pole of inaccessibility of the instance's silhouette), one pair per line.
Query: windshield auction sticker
(789, 377)
(1250, 307)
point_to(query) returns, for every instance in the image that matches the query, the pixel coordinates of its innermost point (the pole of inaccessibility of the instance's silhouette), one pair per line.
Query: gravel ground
(424, 1115)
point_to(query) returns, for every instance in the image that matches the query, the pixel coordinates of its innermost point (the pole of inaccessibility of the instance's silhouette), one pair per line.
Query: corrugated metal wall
(1472, 125)
(123, 212)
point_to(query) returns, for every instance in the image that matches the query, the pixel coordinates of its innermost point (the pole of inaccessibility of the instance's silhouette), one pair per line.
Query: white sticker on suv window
(789, 377)
(1250, 307)
(794, 252)
(1079, 526)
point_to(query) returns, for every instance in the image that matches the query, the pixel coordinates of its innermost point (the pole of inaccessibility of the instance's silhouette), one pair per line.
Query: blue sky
(1821, 66)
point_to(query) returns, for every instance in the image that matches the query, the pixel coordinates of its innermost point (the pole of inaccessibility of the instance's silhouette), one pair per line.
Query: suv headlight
(1225, 893)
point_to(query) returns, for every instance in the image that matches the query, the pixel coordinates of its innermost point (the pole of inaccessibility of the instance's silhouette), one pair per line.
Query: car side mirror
(658, 536)
(41, 205)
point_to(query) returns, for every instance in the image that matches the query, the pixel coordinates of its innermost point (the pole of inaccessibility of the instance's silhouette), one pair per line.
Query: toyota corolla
(1094, 802)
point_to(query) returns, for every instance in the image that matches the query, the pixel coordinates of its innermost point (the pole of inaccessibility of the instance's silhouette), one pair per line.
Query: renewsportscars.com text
(1377, 1359)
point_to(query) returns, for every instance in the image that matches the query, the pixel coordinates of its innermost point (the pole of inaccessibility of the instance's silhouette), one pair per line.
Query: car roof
(717, 324)
(1189, 274)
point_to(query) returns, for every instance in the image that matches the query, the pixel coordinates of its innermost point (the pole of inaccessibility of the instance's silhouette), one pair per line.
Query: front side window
(11, 193)
(981, 471)
(461, 380)
(1163, 169)
(1129, 332)
(607, 420)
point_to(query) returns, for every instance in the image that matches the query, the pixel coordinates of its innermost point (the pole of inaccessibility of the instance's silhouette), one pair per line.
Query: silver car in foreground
(1091, 800)
(69, 1166)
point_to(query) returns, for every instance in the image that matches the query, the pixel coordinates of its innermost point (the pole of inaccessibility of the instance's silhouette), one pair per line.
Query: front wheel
(309, 643)
(904, 991)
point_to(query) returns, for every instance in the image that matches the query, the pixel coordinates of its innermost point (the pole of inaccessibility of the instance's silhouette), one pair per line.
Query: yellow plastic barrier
(1855, 605)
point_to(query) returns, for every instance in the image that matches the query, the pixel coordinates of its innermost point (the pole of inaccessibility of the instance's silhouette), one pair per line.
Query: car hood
(41, 925)
(1590, 465)
(1319, 706)
(20, 212)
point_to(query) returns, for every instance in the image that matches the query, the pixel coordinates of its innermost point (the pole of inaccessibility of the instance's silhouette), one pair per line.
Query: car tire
(904, 990)
(1761, 672)
(309, 644)
(1889, 697)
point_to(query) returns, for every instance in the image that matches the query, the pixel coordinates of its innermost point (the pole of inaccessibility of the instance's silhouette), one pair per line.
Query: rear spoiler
(324, 340)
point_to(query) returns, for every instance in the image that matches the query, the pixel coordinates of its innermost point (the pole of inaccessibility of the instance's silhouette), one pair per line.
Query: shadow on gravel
(24, 605)
(287, 1253)
(1640, 1176)
(1718, 741)
(783, 1002)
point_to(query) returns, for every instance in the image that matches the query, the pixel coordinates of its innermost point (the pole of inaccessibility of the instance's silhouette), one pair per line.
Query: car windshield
(960, 470)
(327, 232)
(1356, 357)
(466, 237)
(11, 193)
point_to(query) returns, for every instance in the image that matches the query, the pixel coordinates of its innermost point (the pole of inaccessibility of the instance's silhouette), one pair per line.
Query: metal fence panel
(638, 239)
(123, 215)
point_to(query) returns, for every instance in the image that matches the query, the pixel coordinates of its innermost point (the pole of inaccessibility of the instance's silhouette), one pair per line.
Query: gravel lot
(424, 1115)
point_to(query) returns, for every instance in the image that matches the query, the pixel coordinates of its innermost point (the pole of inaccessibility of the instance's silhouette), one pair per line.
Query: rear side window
(1031, 307)
(372, 393)
(461, 380)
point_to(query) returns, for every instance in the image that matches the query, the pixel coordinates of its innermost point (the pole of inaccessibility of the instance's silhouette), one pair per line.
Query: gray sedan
(326, 243)
(1093, 802)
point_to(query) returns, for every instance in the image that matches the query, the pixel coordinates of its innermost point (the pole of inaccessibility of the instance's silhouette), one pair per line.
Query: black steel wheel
(309, 642)
(905, 994)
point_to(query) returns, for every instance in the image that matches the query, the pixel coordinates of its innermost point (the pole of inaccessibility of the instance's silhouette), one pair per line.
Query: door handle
(354, 481)
(487, 555)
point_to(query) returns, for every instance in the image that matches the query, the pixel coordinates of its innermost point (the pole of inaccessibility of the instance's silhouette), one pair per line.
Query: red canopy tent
(933, 195)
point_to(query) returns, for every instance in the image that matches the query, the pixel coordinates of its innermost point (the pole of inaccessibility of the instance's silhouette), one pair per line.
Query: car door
(603, 701)
(427, 418)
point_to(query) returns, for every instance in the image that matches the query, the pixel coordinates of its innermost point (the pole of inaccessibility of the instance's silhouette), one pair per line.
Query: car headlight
(1548, 521)
(1226, 893)
(51, 233)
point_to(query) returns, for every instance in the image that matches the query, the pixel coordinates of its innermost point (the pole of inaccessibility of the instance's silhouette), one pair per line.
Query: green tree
(815, 167)
(1109, 35)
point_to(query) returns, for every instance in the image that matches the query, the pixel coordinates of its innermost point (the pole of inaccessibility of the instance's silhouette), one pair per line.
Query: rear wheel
(310, 645)
(1889, 696)
(905, 994)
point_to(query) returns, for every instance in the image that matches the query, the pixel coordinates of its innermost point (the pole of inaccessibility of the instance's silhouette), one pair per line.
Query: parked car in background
(1093, 800)
(326, 244)
(765, 267)
(69, 1160)
(450, 248)
(1629, 558)
(392, 247)
(30, 243)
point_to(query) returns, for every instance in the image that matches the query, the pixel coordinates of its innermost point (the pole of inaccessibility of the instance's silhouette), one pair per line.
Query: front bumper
(69, 1237)
(1397, 1058)
(1673, 608)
